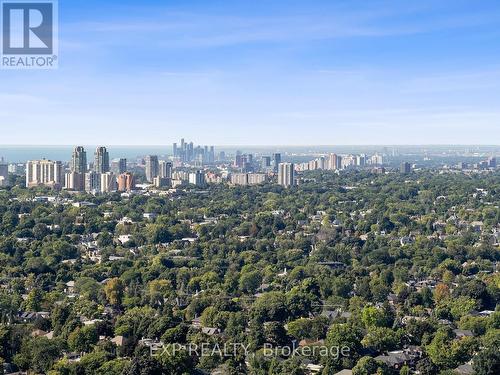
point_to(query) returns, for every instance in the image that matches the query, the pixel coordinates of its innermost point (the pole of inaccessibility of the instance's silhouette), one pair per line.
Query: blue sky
(263, 72)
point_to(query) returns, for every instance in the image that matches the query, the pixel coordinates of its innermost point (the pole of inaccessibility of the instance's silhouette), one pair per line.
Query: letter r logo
(27, 28)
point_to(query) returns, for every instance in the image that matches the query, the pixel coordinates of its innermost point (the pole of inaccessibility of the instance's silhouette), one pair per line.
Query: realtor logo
(29, 34)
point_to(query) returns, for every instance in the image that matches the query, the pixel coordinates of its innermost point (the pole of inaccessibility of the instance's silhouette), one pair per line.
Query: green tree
(38, 354)
(372, 317)
(34, 300)
(250, 281)
(175, 361)
(82, 339)
(365, 366)
(345, 336)
(381, 339)
(487, 362)
(114, 367)
(114, 289)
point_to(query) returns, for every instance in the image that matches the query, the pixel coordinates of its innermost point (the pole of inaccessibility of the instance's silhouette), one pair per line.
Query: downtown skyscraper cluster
(188, 153)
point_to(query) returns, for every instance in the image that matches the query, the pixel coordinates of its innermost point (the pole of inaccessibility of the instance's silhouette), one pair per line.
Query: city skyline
(240, 169)
(22, 153)
(270, 73)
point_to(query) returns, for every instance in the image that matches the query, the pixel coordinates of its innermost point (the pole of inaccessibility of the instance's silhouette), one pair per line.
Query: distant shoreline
(22, 153)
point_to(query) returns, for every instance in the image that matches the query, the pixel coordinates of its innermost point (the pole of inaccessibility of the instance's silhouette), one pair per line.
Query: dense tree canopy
(375, 263)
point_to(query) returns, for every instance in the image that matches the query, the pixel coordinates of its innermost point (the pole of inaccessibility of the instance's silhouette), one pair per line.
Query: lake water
(19, 154)
(22, 153)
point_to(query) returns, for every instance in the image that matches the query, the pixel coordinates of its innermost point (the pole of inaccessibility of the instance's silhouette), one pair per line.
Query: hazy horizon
(257, 145)
(21, 153)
